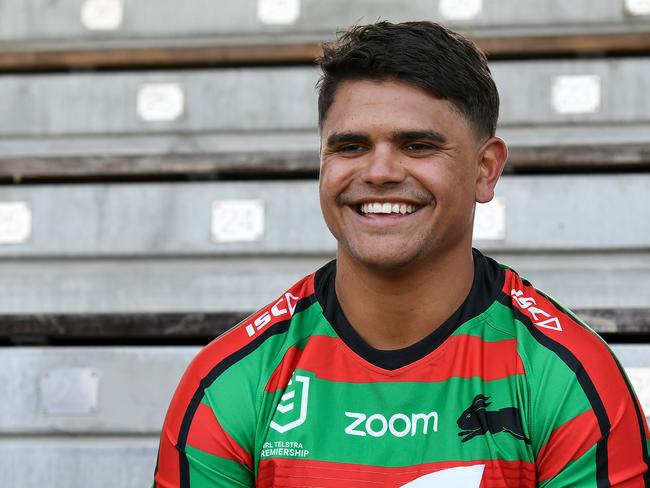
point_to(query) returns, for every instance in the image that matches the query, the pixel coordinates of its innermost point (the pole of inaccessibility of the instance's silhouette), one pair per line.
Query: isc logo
(283, 308)
(541, 317)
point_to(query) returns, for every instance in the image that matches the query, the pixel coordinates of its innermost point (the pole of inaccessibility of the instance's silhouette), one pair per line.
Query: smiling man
(412, 359)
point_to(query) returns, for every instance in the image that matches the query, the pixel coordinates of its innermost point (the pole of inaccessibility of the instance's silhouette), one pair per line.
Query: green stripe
(324, 432)
(208, 471)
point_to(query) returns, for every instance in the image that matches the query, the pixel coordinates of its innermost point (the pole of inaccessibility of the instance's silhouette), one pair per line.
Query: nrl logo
(292, 409)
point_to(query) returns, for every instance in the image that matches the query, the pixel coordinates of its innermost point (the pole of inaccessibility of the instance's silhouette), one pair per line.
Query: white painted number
(637, 7)
(279, 12)
(460, 9)
(576, 94)
(15, 222)
(237, 220)
(160, 102)
(102, 15)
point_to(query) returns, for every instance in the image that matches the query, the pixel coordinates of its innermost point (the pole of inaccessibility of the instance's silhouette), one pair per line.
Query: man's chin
(386, 262)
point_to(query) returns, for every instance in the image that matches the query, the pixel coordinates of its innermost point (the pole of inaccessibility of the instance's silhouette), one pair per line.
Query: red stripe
(567, 443)
(207, 435)
(461, 356)
(167, 473)
(282, 374)
(300, 473)
(599, 364)
(210, 356)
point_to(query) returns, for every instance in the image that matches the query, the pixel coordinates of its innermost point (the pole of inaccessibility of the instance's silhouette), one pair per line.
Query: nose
(383, 166)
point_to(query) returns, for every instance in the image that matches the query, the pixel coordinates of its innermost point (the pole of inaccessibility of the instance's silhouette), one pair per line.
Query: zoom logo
(398, 425)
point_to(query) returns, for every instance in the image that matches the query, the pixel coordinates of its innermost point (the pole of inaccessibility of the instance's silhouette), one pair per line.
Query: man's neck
(397, 310)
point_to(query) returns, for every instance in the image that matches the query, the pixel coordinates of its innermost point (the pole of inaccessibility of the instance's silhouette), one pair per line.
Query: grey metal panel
(135, 386)
(578, 280)
(560, 213)
(633, 355)
(73, 462)
(148, 285)
(525, 91)
(274, 109)
(39, 22)
(164, 219)
(217, 101)
(587, 280)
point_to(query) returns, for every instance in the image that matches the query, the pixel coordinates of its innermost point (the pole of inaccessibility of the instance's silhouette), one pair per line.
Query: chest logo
(292, 409)
(398, 425)
(477, 420)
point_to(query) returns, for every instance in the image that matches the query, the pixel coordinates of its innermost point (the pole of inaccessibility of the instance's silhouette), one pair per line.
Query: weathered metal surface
(624, 157)
(134, 387)
(245, 113)
(56, 25)
(152, 328)
(77, 462)
(148, 285)
(496, 46)
(560, 213)
(580, 280)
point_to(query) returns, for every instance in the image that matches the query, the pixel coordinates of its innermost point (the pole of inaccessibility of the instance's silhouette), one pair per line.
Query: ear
(492, 159)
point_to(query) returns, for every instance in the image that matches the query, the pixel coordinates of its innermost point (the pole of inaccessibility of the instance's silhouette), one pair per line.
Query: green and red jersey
(512, 390)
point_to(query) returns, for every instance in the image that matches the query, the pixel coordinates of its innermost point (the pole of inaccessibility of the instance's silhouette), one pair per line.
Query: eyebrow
(431, 135)
(343, 137)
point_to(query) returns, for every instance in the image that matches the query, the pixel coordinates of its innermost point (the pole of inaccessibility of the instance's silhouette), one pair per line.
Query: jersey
(512, 390)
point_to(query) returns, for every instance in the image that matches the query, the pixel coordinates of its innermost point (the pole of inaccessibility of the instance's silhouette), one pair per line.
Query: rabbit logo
(476, 420)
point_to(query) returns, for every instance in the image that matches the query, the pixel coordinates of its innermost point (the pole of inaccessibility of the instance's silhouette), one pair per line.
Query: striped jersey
(512, 390)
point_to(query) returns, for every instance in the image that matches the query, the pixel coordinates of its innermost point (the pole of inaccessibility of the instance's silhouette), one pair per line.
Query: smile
(387, 208)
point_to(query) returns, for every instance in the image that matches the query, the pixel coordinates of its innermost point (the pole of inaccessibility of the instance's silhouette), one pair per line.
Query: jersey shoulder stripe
(596, 370)
(222, 353)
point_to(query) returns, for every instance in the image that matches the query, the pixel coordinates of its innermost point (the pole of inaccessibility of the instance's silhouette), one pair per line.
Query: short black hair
(424, 54)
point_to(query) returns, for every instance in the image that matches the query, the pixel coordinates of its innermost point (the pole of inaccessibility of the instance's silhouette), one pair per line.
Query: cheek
(452, 190)
(328, 189)
(333, 179)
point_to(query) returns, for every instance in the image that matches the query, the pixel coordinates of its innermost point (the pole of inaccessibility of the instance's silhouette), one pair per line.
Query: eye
(350, 149)
(418, 147)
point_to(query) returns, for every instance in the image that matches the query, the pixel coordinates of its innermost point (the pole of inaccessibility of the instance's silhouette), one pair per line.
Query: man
(411, 360)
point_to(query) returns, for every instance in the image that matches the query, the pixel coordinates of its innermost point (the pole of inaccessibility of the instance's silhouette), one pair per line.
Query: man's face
(398, 177)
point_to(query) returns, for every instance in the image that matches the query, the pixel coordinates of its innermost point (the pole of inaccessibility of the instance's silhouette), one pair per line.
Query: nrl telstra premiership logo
(290, 414)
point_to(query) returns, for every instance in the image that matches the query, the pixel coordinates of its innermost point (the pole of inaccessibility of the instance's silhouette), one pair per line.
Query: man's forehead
(355, 98)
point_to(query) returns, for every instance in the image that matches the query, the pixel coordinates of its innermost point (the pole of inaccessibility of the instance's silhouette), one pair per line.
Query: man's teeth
(387, 208)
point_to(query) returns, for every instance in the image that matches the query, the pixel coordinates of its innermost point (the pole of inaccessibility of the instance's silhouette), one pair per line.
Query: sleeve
(597, 434)
(586, 425)
(208, 433)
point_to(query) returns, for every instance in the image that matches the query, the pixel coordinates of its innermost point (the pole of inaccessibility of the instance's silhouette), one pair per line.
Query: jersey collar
(488, 281)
